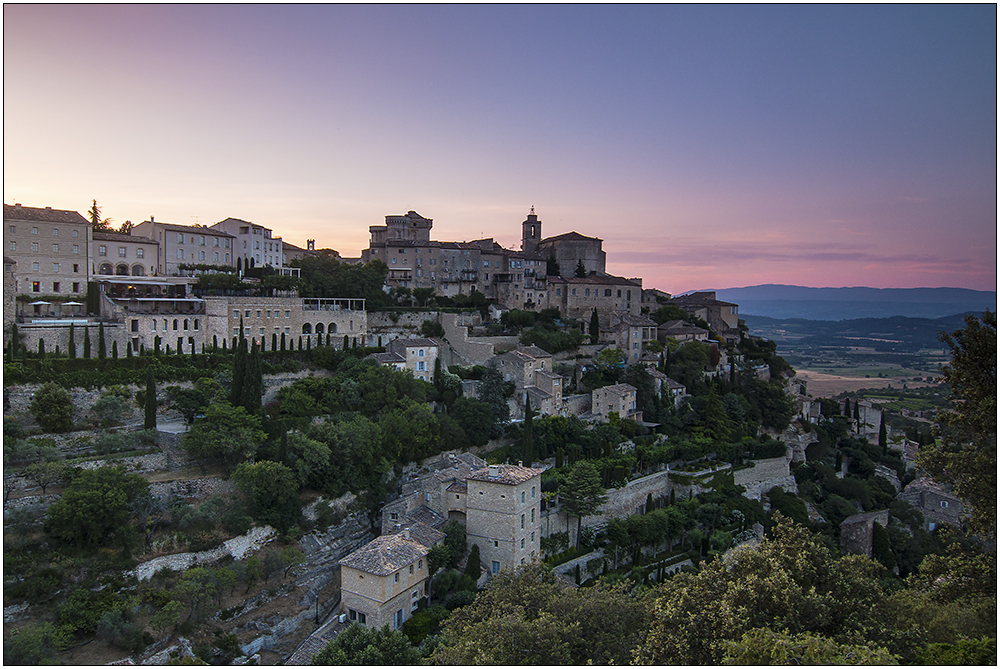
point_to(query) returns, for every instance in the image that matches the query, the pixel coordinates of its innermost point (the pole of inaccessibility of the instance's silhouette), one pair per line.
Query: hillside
(834, 304)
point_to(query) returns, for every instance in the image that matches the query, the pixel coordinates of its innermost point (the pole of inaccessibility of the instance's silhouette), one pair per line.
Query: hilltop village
(380, 449)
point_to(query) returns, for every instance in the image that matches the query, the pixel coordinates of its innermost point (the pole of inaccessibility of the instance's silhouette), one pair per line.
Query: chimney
(494, 472)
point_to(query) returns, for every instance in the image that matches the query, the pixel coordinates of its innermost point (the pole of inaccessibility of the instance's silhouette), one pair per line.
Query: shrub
(53, 408)
(110, 408)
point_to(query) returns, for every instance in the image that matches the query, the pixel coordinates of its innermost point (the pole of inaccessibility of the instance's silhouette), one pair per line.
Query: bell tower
(531, 232)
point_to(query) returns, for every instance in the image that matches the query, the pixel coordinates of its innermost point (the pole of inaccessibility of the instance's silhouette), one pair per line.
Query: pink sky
(710, 147)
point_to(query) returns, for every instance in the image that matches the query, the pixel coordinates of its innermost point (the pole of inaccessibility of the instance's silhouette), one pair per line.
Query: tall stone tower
(531, 232)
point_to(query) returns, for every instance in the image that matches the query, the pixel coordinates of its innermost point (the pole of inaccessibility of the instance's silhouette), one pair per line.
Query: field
(829, 383)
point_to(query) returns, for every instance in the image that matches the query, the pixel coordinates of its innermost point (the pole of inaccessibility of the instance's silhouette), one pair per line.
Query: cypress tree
(149, 421)
(215, 342)
(72, 341)
(595, 327)
(156, 345)
(580, 271)
(128, 349)
(102, 349)
(41, 347)
(239, 370)
(559, 457)
(857, 414)
(274, 341)
(308, 343)
(282, 342)
(649, 502)
(86, 343)
(347, 342)
(57, 350)
(527, 445)
(252, 382)
(473, 565)
(883, 437)
(224, 344)
(114, 349)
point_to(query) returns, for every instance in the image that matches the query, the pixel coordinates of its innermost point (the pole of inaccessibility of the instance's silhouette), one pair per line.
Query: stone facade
(572, 248)
(629, 332)
(723, 317)
(936, 502)
(619, 398)
(503, 510)
(50, 247)
(117, 254)
(764, 475)
(856, 531)
(577, 297)
(382, 582)
(253, 243)
(418, 355)
(529, 368)
(187, 244)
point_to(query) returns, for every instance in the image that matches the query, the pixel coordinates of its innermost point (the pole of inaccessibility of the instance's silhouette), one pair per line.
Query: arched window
(122, 270)
(306, 328)
(175, 323)
(319, 328)
(185, 324)
(138, 270)
(196, 324)
(106, 269)
(332, 329)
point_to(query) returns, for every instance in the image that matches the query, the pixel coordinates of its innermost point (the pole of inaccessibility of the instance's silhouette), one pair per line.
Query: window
(421, 366)
(495, 567)
(215, 241)
(13, 229)
(532, 537)
(76, 249)
(532, 492)
(13, 246)
(140, 253)
(34, 247)
(398, 619)
(55, 248)
(55, 286)
(34, 231)
(411, 570)
(532, 516)
(201, 240)
(76, 233)
(153, 328)
(236, 332)
(944, 505)
(180, 238)
(258, 313)
(420, 353)
(76, 286)
(55, 268)
(261, 333)
(36, 287)
(287, 312)
(522, 521)
(247, 314)
(420, 565)
(180, 254)
(395, 577)
(522, 497)
(414, 597)
(201, 255)
(586, 292)
(34, 267)
(522, 543)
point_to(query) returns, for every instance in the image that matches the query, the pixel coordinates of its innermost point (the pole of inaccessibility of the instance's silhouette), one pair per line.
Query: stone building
(503, 514)
(722, 317)
(681, 331)
(856, 531)
(253, 243)
(571, 249)
(418, 353)
(382, 581)
(577, 297)
(50, 248)
(529, 368)
(9, 291)
(187, 245)
(435, 498)
(619, 398)
(938, 504)
(629, 332)
(119, 254)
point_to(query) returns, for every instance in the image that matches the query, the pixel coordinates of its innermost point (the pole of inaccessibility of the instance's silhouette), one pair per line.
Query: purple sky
(709, 146)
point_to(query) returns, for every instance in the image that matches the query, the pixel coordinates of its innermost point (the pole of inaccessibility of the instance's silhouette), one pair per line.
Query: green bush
(53, 408)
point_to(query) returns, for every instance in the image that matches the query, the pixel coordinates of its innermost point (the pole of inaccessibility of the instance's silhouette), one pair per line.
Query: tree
(36, 643)
(580, 272)
(966, 455)
(44, 474)
(491, 391)
(53, 408)
(94, 509)
(883, 438)
(95, 218)
(226, 432)
(71, 348)
(252, 382)
(102, 349)
(527, 433)
(595, 327)
(149, 404)
(473, 565)
(271, 492)
(239, 369)
(582, 493)
(764, 647)
(358, 645)
(114, 349)
(86, 343)
(166, 616)
(551, 265)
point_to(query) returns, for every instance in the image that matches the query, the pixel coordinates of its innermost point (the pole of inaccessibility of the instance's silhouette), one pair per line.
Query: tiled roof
(385, 555)
(538, 393)
(458, 487)
(620, 389)
(680, 326)
(569, 237)
(598, 279)
(193, 229)
(46, 214)
(426, 535)
(109, 236)
(387, 358)
(506, 474)
(634, 319)
(427, 516)
(414, 341)
(534, 351)
(705, 298)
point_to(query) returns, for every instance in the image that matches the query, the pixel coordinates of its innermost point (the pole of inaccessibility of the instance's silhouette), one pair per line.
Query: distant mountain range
(835, 304)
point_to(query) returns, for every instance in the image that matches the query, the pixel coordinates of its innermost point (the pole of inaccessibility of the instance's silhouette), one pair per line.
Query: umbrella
(72, 304)
(39, 302)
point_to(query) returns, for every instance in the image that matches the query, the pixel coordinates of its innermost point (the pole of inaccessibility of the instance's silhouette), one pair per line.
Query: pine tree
(102, 349)
(551, 265)
(595, 327)
(86, 343)
(72, 342)
(149, 421)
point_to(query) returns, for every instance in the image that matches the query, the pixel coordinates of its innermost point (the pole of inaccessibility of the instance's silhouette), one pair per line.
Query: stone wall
(764, 475)
(622, 502)
(575, 405)
(237, 547)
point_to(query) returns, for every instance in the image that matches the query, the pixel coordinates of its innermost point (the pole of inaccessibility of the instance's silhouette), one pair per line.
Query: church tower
(531, 232)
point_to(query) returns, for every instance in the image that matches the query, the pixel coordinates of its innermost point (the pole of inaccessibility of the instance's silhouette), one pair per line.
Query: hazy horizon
(741, 145)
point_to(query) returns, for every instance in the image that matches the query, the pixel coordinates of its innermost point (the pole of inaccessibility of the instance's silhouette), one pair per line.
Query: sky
(708, 146)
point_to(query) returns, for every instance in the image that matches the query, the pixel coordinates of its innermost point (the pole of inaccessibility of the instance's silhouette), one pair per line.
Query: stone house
(187, 245)
(577, 297)
(680, 331)
(629, 332)
(254, 243)
(935, 502)
(50, 248)
(619, 398)
(503, 514)
(666, 387)
(571, 249)
(382, 581)
(419, 354)
(394, 360)
(856, 531)
(723, 317)
(119, 254)
(529, 368)
(436, 497)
